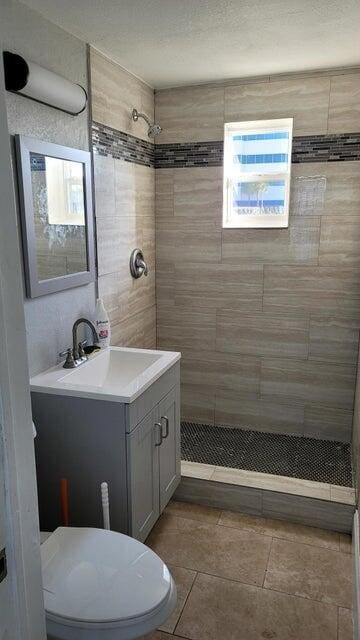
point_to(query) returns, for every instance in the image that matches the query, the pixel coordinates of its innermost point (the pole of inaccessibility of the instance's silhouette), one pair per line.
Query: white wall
(49, 319)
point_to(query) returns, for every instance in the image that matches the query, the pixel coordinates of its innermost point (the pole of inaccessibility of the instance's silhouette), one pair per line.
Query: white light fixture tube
(33, 81)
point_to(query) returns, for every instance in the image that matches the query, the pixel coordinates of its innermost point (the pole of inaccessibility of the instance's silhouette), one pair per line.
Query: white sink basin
(117, 374)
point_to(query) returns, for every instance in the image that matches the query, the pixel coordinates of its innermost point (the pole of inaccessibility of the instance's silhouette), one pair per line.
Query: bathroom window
(257, 166)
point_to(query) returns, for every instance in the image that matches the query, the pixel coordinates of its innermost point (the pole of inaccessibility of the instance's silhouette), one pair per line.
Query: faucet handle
(65, 352)
(81, 351)
(69, 362)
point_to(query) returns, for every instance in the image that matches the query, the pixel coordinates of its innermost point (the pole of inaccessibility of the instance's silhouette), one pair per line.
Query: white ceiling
(178, 42)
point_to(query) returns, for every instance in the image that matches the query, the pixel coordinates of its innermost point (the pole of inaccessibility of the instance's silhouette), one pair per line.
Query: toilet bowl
(103, 585)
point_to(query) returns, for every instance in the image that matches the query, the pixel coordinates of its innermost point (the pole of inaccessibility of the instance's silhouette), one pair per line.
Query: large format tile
(306, 100)
(328, 423)
(230, 553)
(197, 403)
(325, 188)
(183, 240)
(144, 190)
(345, 495)
(310, 572)
(184, 579)
(220, 495)
(221, 371)
(186, 327)
(345, 624)
(114, 94)
(224, 609)
(340, 240)
(116, 236)
(104, 186)
(198, 193)
(164, 193)
(344, 108)
(325, 290)
(219, 285)
(333, 340)
(196, 470)
(258, 414)
(345, 543)
(190, 114)
(307, 381)
(297, 244)
(138, 330)
(306, 510)
(123, 296)
(282, 529)
(342, 188)
(125, 194)
(262, 334)
(160, 635)
(193, 511)
(271, 482)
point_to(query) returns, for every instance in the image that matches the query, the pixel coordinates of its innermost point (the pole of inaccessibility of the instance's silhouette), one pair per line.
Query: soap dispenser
(102, 324)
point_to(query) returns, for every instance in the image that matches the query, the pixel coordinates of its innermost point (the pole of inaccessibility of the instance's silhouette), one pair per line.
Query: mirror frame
(35, 287)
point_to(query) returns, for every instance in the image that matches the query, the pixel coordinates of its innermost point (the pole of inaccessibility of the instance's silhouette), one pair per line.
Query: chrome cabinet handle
(158, 424)
(166, 427)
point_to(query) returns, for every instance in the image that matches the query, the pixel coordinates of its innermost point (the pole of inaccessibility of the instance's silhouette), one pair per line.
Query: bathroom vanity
(115, 419)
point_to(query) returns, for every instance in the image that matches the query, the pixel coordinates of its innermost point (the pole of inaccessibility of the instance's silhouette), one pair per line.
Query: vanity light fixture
(37, 83)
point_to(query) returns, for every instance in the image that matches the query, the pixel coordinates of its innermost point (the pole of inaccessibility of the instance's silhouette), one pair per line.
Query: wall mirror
(56, 216)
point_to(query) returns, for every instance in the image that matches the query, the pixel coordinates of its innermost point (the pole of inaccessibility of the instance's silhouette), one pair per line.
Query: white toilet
(102, 585)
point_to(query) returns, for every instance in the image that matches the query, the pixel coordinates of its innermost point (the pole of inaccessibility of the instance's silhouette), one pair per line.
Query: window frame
(268, 221)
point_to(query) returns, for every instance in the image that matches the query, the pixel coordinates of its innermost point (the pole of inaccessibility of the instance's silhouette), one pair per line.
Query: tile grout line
(258, 586)
(267, 563)
(185, 602)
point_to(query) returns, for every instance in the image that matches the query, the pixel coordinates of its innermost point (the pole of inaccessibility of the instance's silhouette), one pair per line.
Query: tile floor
(241, 577)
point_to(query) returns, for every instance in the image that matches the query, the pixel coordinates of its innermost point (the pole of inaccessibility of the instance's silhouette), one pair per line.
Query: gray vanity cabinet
(169, 451)
(143, 477)
(134, 447)
(153, 453)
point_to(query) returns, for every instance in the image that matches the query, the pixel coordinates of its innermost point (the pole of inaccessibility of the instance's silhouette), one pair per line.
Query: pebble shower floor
(293, 456)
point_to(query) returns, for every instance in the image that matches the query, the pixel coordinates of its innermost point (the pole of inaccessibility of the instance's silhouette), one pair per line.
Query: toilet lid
(93, 575)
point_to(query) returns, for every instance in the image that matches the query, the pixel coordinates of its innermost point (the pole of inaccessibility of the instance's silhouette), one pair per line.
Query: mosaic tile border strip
(322, 148)
(189, 154)
(327, 148)
(107, 141)
(111, 142)
(278, 454)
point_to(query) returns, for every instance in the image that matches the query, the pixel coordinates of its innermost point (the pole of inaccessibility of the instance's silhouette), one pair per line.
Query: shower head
(153, 130)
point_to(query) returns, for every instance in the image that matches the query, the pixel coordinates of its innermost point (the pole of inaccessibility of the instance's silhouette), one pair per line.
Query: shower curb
(315, 512)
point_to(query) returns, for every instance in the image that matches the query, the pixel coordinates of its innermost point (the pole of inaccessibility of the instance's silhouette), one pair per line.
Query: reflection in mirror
(59, 215)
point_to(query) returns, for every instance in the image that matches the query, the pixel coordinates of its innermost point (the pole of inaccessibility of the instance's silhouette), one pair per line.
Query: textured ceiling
(177, 42)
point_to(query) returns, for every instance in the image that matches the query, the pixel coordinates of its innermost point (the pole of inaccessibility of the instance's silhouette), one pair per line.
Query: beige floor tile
(345, 629)
(184, 579)
(345, 543)
(222, 551)
(221, 609)
(345, 495)
(310, 572)
(197, 470)
(160, 635)
(282, 529)
(193, 511)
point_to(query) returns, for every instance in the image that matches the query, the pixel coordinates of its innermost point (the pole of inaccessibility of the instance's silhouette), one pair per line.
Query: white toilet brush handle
(105, 504)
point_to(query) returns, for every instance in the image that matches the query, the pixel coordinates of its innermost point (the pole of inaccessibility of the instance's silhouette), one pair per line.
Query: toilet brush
(105, 504)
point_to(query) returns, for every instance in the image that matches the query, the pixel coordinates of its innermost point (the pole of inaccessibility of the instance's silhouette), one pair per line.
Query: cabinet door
(169, 451)
(143, 446)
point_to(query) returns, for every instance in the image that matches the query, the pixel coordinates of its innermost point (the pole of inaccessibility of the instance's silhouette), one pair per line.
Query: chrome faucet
(77, 355)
